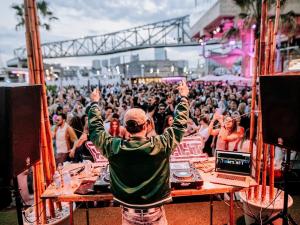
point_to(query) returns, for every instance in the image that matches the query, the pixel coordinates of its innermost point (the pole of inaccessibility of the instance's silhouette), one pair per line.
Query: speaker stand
(284, 215)
(19, 204)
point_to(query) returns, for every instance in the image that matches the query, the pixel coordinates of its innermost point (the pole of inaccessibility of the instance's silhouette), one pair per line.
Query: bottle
(67, 182)
(57, 179)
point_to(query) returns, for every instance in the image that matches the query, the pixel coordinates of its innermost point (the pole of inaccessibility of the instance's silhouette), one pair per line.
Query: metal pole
(18, 200)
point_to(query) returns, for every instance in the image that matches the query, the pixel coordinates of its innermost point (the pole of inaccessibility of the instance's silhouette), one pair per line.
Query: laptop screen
(233, 162)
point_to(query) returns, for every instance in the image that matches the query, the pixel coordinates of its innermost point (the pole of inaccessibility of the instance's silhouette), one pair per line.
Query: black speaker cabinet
(20, 114)
(280, 105)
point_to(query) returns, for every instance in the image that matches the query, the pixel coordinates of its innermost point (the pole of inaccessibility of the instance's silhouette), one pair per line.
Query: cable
(242, 209)
(37, 218)
(265, 208)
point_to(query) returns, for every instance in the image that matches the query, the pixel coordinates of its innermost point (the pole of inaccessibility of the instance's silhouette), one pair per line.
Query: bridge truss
(167, 33)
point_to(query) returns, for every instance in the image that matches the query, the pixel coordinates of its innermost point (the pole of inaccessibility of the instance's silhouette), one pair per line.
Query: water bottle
(67, 182)
(57, 179)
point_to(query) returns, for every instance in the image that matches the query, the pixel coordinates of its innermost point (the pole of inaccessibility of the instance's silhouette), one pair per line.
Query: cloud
(79, 18)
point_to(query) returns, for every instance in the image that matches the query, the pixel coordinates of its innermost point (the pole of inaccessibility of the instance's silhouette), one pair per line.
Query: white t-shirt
(61, 144)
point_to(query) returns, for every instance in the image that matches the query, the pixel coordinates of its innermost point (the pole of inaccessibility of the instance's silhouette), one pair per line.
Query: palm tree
(45, 15)
(251, 12)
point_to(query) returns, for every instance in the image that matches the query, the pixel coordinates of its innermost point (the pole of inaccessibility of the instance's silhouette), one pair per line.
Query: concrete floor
(191, 213)
(184, 211)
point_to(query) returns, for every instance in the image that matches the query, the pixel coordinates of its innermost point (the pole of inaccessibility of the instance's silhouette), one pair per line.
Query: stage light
(218, 29)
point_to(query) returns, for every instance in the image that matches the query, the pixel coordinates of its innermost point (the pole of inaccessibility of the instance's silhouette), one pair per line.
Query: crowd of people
(219, 114)
(136, 128)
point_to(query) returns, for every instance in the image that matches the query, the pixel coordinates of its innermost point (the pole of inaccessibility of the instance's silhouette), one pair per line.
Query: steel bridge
(167, 33)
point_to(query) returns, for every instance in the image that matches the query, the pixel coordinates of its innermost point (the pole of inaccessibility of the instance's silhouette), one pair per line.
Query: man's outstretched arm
(97, 133)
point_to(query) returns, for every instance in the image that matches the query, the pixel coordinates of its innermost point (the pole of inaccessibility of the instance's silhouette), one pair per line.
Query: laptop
(232, 168)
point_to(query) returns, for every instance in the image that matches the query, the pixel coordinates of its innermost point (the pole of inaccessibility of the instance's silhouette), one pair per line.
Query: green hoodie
(139, 167)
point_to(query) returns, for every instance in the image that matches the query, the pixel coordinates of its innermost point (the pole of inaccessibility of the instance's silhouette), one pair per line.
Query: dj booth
(192, 182)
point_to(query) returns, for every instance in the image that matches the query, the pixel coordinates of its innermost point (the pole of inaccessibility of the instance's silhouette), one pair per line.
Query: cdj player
(184, 176)
(102, 184)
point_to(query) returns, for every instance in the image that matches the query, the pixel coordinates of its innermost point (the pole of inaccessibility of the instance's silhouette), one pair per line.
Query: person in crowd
(116, 130)
(233, 106)
(76, 124)
(203, 128)
(65, 137)
(169, 105)
(168, 122)
(245, 116)
(226, 133)
(192, 128)
(78, 110)
(159, 118)
(139, 167)
(204, 133)
(233, 145)
(197, 115)
(108, 116)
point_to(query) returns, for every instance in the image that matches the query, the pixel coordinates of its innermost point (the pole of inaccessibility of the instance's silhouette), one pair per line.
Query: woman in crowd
(192, 128)
(168, 122)
(240, 130)
(226, 133)
(115, 129)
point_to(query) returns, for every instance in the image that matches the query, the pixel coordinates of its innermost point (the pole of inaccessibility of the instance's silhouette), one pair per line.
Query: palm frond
(42, 7)
(53, 18)
(231, 33)
(288, 24)
(46, 26)
(43, 13)
(243, 4)
(243, 15)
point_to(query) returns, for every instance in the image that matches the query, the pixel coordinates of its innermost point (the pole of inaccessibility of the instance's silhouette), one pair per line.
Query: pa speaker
(20, 115)
(280, 105)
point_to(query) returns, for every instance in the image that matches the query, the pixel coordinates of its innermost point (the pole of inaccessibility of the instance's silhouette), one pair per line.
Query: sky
(79, 18)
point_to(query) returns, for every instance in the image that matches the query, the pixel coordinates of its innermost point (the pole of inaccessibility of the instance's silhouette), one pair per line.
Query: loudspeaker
(280, 105)
(20, 115)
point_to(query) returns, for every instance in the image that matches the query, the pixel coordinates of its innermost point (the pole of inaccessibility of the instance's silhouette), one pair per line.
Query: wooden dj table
(207, 189)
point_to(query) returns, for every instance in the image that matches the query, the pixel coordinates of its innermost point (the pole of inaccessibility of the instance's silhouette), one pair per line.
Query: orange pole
(265, 146)
(28, 45)
(36, 76)
(272, 69)
(49, 160)
(263, 28)
(276, 26)
(272, 51)
(253, 104)
(267, 51)
(258, 151)
(253, 98)
(271, 173)
(38, 188)
(264, 172)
